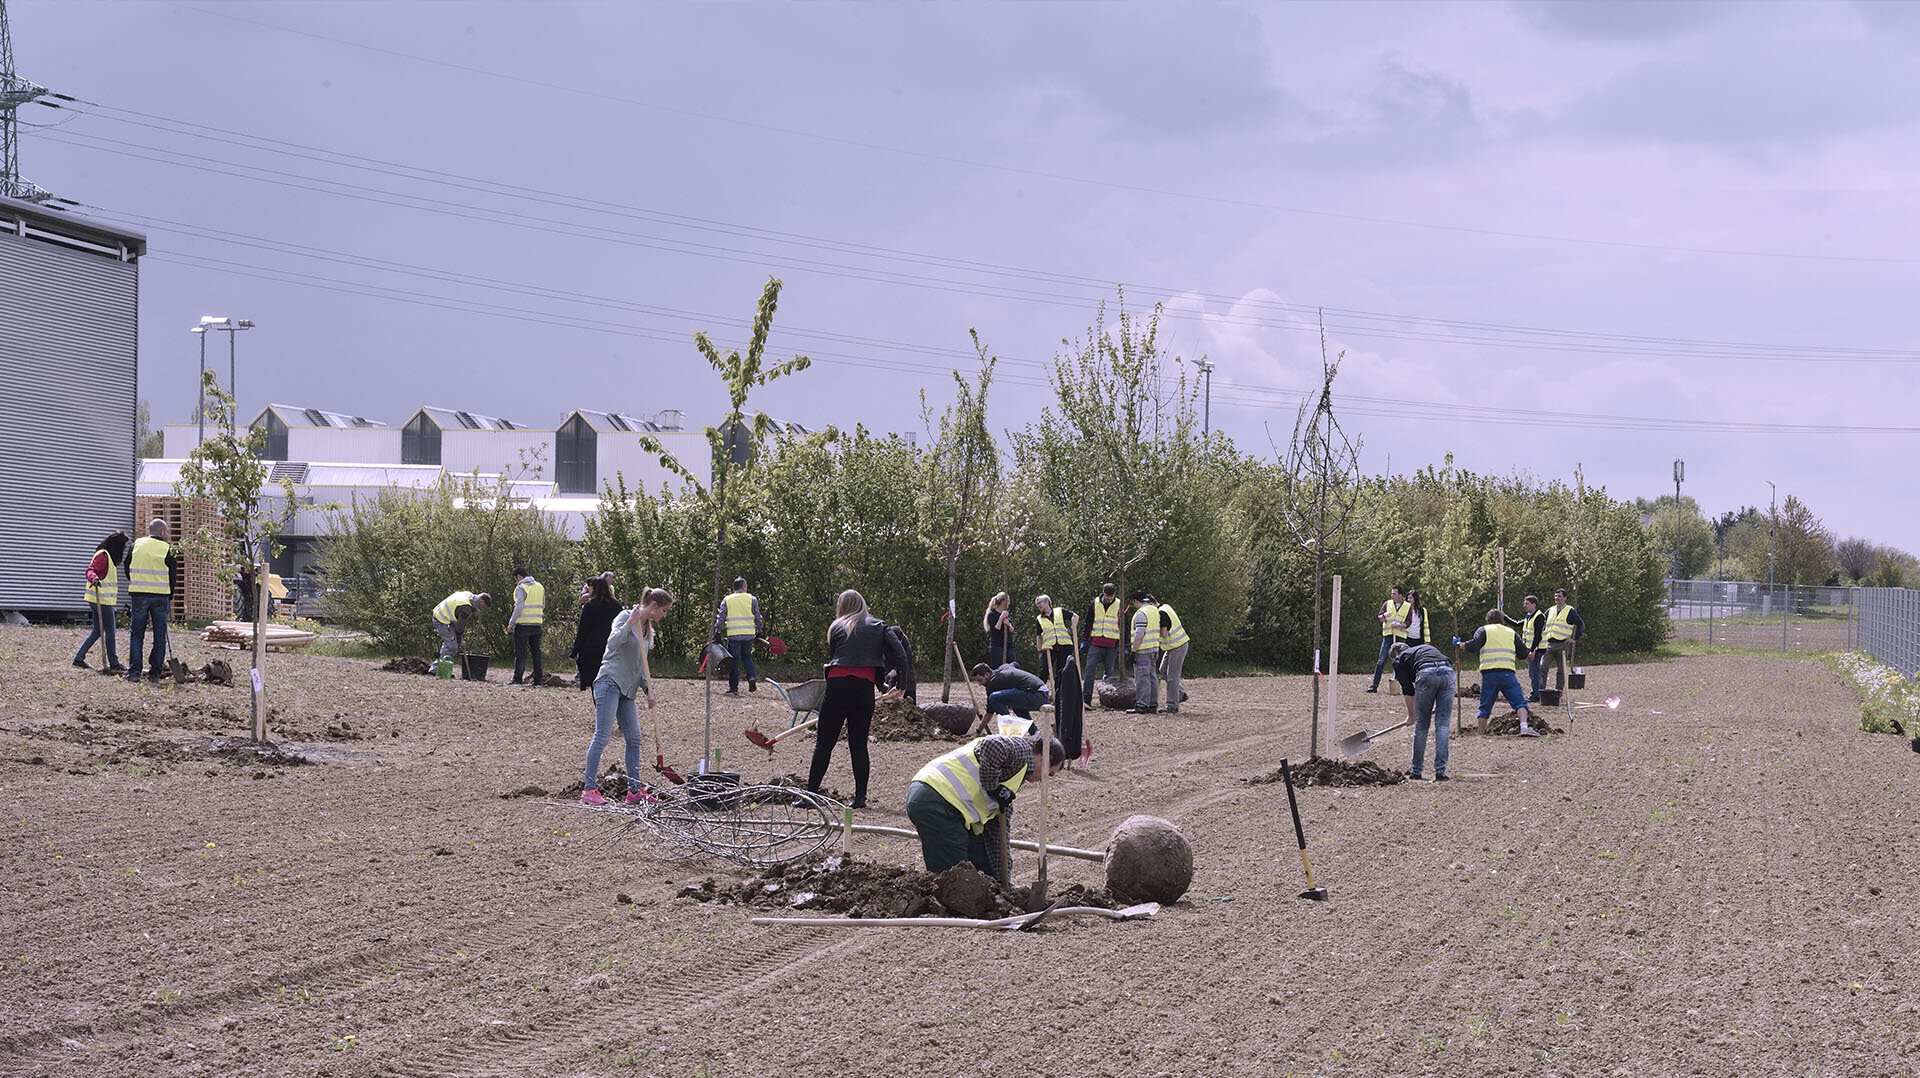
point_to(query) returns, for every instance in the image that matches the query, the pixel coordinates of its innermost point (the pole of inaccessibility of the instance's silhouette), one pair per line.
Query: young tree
(149, 444)
(958, 471)
(1857, 558)
(1803, 546)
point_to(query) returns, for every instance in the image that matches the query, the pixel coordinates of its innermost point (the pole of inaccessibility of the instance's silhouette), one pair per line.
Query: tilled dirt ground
(1715, 880)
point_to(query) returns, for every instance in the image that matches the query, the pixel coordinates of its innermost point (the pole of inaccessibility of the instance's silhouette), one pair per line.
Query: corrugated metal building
(69, 398)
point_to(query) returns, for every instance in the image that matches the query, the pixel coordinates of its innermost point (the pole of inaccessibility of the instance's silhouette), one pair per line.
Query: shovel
(1355, 744)
(768, 743)
(1312, 893)
(659, 758)
(967, 677)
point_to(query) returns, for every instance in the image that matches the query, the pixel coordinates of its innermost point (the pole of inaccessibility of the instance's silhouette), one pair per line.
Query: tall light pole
(1679, 473)
(1773, 494)
(1206, 414)
(231, 327)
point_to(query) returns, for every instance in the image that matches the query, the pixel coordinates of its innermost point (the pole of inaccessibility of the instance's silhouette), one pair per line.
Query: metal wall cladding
(68, 416)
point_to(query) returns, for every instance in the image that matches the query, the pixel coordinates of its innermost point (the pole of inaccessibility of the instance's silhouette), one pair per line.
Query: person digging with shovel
(1499, 649)
(1426, 677)
(953, 799)
(623, 676)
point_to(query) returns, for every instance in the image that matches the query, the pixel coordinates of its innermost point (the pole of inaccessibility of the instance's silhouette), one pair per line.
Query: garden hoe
(768, 743)
(1355, 744)
(1312, 893)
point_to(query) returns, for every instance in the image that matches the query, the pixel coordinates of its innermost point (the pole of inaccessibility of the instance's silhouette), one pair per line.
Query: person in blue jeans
(1500, 651)
(623, 677)
(1426, 677)
(152, 571)
(103, 596)
(1010, 688)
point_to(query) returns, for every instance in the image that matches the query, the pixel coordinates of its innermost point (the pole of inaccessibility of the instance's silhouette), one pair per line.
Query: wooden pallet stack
(239, 634)
(203, 591)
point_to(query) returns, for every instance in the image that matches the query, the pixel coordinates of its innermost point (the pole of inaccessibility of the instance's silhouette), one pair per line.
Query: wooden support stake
(1333, 666)
(259, 653)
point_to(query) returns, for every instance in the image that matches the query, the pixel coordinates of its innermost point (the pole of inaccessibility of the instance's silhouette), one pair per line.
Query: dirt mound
(407, 666)
(1114, 695)
(557, 681)
(841, 884)
(796, 782)
(901, 720)
(264, 752)
(956, 718)
(1510, 724)
(1323, 771)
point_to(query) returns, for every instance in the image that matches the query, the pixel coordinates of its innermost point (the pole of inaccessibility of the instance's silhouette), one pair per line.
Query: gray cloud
(1619, 20)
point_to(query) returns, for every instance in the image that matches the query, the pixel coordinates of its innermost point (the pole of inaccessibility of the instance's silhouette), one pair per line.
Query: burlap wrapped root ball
(1148, 860)
(954, 718)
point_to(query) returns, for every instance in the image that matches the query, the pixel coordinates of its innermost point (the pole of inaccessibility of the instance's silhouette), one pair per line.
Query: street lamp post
(1206, 414)
(1679, 473)
(231, 327)
(1773, 494)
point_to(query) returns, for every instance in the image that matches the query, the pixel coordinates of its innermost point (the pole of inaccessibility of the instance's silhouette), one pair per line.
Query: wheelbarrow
(803, 700)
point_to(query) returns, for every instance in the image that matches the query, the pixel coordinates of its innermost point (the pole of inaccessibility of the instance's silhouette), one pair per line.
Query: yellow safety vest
(1397, 618)
(1175, 634)
(1558, 625)
(1150, 640)
(107, 592)
(1499, 652)
(957, 777)
(1106, 620)
(533, 605)
(1053, 630)
(444, 612)
(739, 607)
(147, 569)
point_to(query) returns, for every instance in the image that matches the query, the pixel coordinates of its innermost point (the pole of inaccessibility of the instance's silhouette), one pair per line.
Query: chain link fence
(1779, 617)
(1888, 627)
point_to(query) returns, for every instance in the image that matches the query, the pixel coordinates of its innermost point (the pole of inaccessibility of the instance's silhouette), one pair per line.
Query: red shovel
(659, 757)
(768, 743)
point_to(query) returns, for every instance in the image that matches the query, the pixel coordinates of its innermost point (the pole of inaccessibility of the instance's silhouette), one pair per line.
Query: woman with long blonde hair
(622, 678)
(860, 651)
(999, 625)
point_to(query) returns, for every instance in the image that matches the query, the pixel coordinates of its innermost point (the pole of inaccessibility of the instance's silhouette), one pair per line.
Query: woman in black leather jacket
(860, 652)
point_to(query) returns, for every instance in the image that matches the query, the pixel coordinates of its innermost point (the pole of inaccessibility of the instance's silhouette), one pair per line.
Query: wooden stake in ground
(1333, 665)
(259, 652)
(1500, 578)
(1037, 895)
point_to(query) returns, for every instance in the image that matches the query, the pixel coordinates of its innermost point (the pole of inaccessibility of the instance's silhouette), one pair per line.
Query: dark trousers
(944, 838)
(155, 608)
(102, 630)
(741, 649)
(848, 704)
(527, 638)
(999, 650)
(586, 670)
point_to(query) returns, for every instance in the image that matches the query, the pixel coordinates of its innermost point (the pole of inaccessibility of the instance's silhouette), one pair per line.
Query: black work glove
(1001, 796)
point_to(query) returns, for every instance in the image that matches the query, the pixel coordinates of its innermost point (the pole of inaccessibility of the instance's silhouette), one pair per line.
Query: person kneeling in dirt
(1010, 688)
(1499, 649)
(953, 799)
(450, 619)
(1426, 679)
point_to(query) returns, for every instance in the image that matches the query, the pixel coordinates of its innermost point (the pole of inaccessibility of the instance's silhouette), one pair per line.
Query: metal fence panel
(1751, 614)
(1889, 627)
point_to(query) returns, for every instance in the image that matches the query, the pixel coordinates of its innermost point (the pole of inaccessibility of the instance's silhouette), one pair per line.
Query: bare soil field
(1717, 879)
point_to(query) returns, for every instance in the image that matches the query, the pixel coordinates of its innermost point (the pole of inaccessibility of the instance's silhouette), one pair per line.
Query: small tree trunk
(259, 653)
(953, 619)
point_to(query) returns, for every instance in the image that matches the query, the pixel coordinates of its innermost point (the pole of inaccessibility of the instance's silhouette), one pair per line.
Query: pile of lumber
(239, 634)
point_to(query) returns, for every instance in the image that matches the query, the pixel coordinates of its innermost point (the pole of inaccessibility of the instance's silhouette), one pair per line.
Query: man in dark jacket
(1531, 623)
(1426, 677)
(1010, 688)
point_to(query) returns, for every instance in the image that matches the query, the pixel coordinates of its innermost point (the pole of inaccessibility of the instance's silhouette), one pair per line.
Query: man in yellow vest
(529, 621)
(1393, 617)
(450, 619)
(1499, 649)
(955, 796)
(1531, 623)
(1103, 638)
(1146, 654)
(1053, 640)
(1173, 655)
(152, 571)
(1562, 629)
(738, 622)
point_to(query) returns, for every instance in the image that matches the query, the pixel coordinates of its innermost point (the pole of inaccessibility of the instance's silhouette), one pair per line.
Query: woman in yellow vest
(103, 595)
(1393, 617)
(953, 799)
(1499, 649)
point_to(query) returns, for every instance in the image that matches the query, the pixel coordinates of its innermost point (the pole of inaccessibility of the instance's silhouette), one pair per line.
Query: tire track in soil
(513, 1051)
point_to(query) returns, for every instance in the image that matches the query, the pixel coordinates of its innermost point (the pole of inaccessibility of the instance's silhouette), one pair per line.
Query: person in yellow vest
(1531, 623)
(1146, 654)
(529, 621)
(1562, 629)
(1173, 655)
(955, 796)
(1498, 646)
(450, 619)
(739, 623)
(103, 595)
(152, 571)
(1103, 638)
(1394, 615)
(1053, 640)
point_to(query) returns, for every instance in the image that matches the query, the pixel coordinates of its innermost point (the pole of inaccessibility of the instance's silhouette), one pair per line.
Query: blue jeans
(1386, 643)
(1495, 682)
(1099, 661)
(741, 648)
(1536, 677)
(609, 705)
(1018, 701)
(148, 606)
(1433, 692)
(102, 630)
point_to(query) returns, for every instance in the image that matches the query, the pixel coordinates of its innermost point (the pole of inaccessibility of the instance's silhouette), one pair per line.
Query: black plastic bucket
(473, 667)
(1550, 697)
(1576, 680)
(710, 789)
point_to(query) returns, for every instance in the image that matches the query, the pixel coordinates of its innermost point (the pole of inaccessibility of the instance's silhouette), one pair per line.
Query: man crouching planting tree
(227, 470)
(954, 799)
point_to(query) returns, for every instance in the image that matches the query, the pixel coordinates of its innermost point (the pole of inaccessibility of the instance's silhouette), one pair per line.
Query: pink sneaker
(641, 797)
(593, 797)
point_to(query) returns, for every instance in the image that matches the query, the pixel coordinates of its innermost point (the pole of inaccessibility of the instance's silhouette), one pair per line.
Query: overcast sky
(1697, 221)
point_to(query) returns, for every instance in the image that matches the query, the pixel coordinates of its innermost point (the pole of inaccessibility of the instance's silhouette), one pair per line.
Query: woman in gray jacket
(623, 676)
